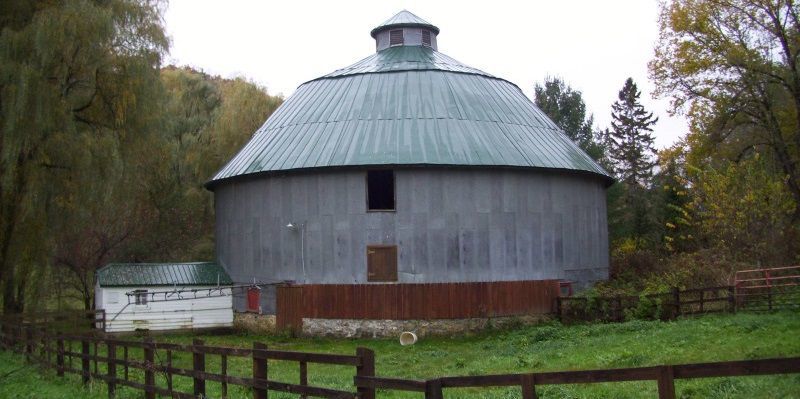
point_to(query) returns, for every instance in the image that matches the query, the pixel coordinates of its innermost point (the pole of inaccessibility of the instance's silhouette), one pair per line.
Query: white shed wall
(169, 315)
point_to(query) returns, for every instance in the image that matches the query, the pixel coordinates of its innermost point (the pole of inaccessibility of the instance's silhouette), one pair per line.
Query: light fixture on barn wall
(300, 228)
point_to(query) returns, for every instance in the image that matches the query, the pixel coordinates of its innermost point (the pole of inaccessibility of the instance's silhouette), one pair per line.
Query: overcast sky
(593, 45)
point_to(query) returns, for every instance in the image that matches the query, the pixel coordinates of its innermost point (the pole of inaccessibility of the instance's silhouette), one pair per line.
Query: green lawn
(549, 347)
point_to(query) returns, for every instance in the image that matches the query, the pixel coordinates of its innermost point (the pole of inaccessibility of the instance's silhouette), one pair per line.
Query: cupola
(405, 29)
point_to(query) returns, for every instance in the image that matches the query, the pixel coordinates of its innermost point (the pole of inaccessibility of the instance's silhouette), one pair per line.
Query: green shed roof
(403, 18)
(149, 274)
(407, 105)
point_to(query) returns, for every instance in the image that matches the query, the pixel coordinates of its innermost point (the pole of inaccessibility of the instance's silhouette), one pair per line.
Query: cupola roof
(404, 19)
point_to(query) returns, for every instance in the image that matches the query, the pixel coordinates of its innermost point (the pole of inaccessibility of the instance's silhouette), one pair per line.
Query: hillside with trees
(104, 150)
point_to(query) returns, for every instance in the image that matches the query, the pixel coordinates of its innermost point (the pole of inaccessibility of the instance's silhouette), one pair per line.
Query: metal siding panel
(441, 225)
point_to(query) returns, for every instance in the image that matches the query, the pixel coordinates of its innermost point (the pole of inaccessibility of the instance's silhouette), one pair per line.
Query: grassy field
(549, 347)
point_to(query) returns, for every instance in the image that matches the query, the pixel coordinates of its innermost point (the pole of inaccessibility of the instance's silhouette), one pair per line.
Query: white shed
(164, 296)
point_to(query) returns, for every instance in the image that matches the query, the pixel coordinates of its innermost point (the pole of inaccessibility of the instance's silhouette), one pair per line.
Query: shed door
(382, 263)
(253, 300)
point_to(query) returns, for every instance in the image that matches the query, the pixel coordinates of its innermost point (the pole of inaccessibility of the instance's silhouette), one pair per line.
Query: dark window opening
(141, 297)
(382, 263)
(380, 190)
(395, 37)
(426, 38)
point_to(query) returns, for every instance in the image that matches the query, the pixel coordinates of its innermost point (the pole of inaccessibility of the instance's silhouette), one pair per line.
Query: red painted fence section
(768, 288)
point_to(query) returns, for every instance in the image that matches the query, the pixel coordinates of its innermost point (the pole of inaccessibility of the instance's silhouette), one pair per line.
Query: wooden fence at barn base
(413, 301)
(111, 360)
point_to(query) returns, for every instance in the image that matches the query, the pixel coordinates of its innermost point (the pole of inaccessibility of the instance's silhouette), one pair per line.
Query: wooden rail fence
(674, 303)
(114, 362)
(665, 377)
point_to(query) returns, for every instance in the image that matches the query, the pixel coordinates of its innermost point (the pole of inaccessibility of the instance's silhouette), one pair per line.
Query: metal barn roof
(407, 105)
(150, 274)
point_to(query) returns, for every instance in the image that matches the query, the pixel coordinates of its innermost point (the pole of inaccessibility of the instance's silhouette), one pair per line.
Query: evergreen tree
(566, 108)
(632, 221)
(630, 139)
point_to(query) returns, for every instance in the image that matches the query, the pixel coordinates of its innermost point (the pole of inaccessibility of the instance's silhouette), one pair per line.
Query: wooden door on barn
(289, 312)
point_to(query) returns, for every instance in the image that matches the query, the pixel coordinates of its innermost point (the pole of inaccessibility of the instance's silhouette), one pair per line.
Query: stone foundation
(350, 328)
(254, 323)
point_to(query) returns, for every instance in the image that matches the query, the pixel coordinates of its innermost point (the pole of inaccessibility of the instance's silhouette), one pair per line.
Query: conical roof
(407, 105)
(404, 19)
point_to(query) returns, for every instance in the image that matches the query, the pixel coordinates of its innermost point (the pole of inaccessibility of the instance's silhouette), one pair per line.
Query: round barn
(409, 168)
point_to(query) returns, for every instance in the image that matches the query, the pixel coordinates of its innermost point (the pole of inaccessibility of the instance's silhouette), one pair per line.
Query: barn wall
(170, 315)
(451, 225)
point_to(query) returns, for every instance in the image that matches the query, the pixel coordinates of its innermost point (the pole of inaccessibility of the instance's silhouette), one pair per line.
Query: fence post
(199, 364)
(769, 289)
(85, 363)
(433, 389)
(702, 298)
(676, 298)
(43, 350)
(19, 339)
(59, 355)
(366, 368)
(303, 377)
(149, 371)
(732, 298)
(666, 383)
(111, 349)
(259, 370)
(558, 309)
(528, 382)
(28, 342)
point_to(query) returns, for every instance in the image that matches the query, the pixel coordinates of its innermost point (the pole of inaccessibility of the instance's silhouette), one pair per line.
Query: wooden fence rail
(665, 377)
(668, 305)
(112, 361)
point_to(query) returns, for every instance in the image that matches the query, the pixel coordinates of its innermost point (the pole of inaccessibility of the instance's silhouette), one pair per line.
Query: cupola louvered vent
(396, 38)
(426, 38)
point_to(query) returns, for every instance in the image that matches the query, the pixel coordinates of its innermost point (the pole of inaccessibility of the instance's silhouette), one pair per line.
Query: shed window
(426, 38)
(396, 37)
(382, 263)
(380, 190)
(140, 296)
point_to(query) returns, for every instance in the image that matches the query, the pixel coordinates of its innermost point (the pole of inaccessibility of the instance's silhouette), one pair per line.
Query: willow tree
(208, 119)
(77, 80)
(732, 66)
